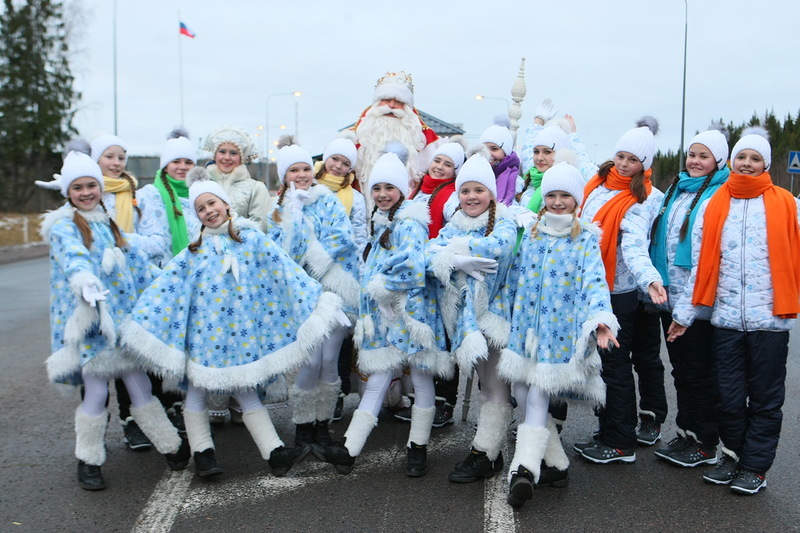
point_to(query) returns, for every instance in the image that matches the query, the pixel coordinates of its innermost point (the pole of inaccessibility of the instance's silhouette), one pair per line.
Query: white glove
(475, 266)
(54, 185)
(297, 198)
(342, 319)
(93, 294)
(386, 311)
(545, 110)
(526, 219)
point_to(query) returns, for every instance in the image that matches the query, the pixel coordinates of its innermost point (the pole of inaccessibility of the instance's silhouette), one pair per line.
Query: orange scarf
(783, 241)
(610, 216)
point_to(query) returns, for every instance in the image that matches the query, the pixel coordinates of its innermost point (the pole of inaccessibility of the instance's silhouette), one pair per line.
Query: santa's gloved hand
(386, 311)
(545, 110)
(92, 293)
(54, 185)
(342, 319)
(475, 266)
(526, 219)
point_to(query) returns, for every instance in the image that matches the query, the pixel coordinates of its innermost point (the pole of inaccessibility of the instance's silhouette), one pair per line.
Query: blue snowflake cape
(560, 297)
(395, 279)
(321, 241)
(231, 316)
(476, 313)
(81, 335)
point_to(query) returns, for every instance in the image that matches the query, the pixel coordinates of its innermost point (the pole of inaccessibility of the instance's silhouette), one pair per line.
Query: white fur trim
(493, 421)
(198, 430)
(472, 350)
(421, 424)
(259, 424)
(554, 454)
(438, 362)
(394, 90)
(376, 288)
(358, 431)
(155, 356)
(380, 360)
(531, 444)
(326, 400)
(90, 437)
(330, 274)
(304, 404)
(51, 217)
(495, 328)
(316, 259)
(417, 211)
(153, 421)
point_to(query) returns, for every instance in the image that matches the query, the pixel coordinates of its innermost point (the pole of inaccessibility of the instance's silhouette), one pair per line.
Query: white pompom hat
(389, 169)
(477, 169)
(716, 142)
(103, 142)
(454, 151)
(178, 148)
(200, 183)
(563, 177)
(289, 155)
(344, 147)
(754, 139)
(640, 141)
(79, 165)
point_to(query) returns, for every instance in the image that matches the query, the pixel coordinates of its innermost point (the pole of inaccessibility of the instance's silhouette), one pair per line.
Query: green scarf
(177, 224)
(535, 203)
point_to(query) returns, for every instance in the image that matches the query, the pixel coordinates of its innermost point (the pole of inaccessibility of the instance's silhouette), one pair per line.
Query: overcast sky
(605, 62)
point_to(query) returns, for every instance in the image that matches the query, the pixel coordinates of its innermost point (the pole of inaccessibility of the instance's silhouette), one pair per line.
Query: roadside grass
(18, 228)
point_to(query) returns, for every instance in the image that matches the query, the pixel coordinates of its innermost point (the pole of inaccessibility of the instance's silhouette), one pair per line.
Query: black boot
(551, 476)
(304, 434)
(416, 460)
(180, 459)
(281, 459)
(90, 477)
(322, 434)
(205, 464)
(521, 488)
(476, 466)
(339, 457)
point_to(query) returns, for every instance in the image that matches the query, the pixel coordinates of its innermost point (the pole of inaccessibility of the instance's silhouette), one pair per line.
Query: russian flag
(186, 31)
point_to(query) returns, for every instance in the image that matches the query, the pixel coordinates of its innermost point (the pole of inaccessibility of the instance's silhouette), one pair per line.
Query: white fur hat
(235, 136)
(640, 141)
(754, 139)
(289, 155)
(552, 136)
(499, 134)
(454, 151)
(564, 177)
(478, 169)
(200, 183)
(716, 142)
(103, 142)
(389, 168)
(344, 147)
(396, 85)
(79, 165)
(178, 146)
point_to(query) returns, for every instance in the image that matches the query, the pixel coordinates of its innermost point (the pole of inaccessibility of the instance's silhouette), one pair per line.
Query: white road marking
(162, 507)
(498, 515)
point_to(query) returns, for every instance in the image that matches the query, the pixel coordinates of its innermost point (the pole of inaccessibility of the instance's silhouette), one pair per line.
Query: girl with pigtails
(470, 258)
(97, 273)
(312, 226)
(228, 314)
(397, 326)
(671, 251)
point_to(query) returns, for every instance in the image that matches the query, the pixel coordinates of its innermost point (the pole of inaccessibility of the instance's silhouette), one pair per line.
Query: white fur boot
(554, 454)
(532, 441)
(153, 421)
(198, 430)
(259, 424)
(421, 424)
(304, 404)
(90, 437)
(358, 431)
(493, 423)
(326, 399)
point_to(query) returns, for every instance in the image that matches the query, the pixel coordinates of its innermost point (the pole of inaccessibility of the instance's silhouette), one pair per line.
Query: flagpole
(180, 66)
(115, 66)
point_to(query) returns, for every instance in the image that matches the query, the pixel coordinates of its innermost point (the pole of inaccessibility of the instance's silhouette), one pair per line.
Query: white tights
(95, 391)
(536, 402)
(324, 363)
(196, 399)
(378, 385)
(493, 388)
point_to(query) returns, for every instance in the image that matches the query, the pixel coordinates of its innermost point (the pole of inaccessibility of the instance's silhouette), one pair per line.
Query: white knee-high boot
(531, 444)
(304, 404)
(493, 423)
(554, 454)
(198, 430)
(153, 421)
(90, 437)
(358, 431)
(259, 424)
(326, 399)
(421, 424)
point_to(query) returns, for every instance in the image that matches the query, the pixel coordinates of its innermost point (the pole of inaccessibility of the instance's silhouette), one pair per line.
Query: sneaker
(337, 411)
(403, 414)
(179, 460)
(90, 477)
(282, 458)
(416, 460)
(205, 464)
(521, 488)
(678, 444)
(724, 472)
(649, 431)
(748, 482)
(694, 454)
(134, 436)
(443, 415)
(476, 466)
(550, 476)
(580, 446)
(603, 454)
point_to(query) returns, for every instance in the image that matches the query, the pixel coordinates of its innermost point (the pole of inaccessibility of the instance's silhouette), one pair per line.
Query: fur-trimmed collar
(67, 211)
(464, 222)
(409, 210)
(315, 193)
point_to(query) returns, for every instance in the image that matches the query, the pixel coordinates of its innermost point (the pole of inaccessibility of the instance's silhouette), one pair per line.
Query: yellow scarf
(341, 186)
(124, 201)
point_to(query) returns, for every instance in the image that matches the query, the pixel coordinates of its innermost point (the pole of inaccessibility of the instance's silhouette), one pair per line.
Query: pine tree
(37, 100)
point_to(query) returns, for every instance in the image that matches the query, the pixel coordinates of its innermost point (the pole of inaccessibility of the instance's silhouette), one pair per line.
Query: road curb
(12, 254)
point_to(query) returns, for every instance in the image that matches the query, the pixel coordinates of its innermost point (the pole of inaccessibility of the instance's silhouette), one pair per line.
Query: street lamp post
(484, 97)
(266, 123)
(683, 100)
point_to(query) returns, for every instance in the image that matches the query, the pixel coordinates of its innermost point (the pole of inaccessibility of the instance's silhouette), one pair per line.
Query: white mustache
(379, 111)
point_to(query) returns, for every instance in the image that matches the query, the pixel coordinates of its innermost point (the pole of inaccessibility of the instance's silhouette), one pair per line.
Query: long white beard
(377, 129)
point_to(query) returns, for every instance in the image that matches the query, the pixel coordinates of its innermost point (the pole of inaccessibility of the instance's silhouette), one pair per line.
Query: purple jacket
(506, 173)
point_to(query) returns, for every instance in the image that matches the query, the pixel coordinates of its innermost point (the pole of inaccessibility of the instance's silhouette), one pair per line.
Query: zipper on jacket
(742, 266)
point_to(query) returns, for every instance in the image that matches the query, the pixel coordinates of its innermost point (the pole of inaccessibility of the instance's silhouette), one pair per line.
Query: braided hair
(86, 231)
(637, 181)
(673, 188)
(163, 177)
(127, 177)
(384, 238)
(492, 217)
(276, 216)
(232, 232)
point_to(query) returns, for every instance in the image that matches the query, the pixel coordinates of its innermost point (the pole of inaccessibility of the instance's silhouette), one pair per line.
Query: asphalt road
(40, 493)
